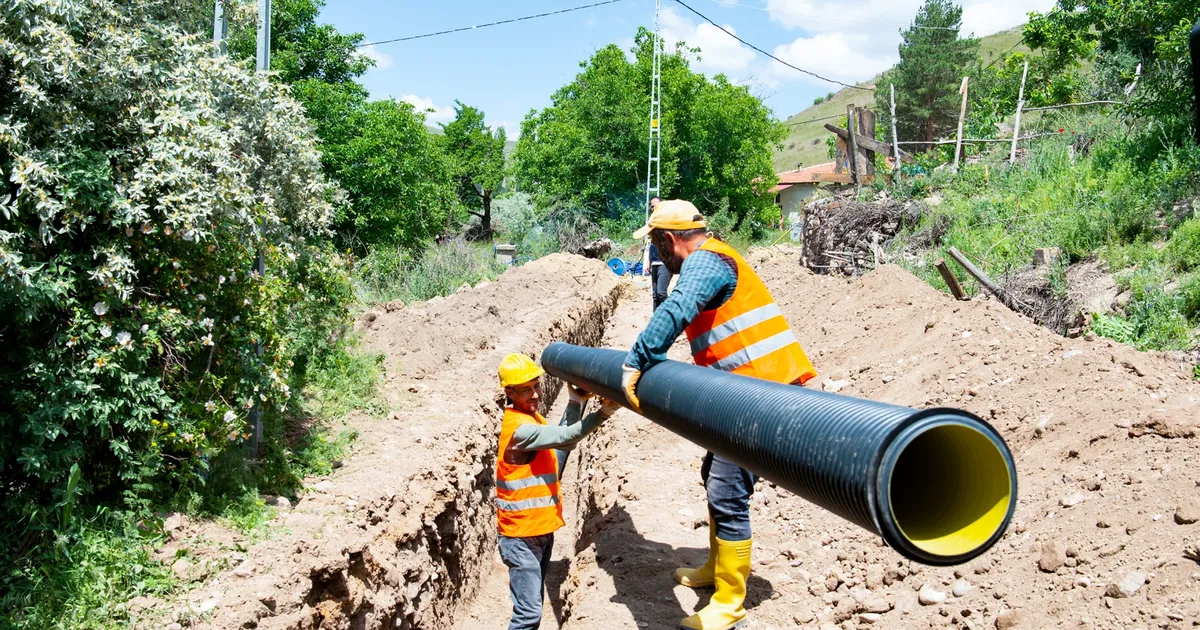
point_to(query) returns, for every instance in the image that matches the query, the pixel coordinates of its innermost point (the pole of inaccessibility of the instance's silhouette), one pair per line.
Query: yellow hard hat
(518, 368)
(672, 214)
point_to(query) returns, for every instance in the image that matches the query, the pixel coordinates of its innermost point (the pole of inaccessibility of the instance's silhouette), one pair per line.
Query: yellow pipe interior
(950, 490)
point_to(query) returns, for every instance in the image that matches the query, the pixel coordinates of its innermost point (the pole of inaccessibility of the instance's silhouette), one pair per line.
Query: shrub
(389, 274)
(146, 173)
(1183, 250)
(1189, 296)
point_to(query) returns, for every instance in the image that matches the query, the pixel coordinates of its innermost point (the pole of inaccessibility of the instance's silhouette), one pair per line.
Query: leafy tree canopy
(477, 155)
(1151, 32)
(933, 61)
(590, 144)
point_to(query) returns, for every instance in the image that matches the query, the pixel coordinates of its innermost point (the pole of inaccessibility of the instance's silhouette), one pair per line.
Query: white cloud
(855, 41)
(718, 51)
(383, 61)
(433, 113)
(833, 55)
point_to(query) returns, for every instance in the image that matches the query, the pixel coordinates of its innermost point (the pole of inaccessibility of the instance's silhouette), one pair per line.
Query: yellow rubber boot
(725, 609)
(702, 577)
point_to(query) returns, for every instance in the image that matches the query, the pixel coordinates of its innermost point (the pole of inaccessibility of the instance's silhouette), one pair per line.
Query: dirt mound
(1104, 438)
(401, 535)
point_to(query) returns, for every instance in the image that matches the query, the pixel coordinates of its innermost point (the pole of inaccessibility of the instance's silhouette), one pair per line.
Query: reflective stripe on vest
(527, 482)
(735, 325)
(527, 500)
(755, 351)
(536, 502)
(747, 334)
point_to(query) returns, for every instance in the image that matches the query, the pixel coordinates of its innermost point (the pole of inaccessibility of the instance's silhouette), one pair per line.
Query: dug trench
(404, 535)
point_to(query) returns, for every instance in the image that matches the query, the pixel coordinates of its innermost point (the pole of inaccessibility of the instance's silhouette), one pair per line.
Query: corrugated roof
(811, 175)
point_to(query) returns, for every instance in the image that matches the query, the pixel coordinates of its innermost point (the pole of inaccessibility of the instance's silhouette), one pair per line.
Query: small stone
(802, 617)
(1054, 556)
(888, 378)
(173, 626)
(323, 486)
(1130, 583)
(876, 605)
(1187, 515)
(929, 596)
(1103, 524)
(243, 570)
(206, 606)
(1071, 500)
(961, 588)
(182, 569)
(1083, 581)
(870, 617)
(833, 386)
(1007, 619)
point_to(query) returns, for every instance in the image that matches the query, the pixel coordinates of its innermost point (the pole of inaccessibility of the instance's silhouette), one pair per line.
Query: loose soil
(404, 535)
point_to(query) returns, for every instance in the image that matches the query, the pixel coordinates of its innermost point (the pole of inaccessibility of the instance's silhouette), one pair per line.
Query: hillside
(806, 141)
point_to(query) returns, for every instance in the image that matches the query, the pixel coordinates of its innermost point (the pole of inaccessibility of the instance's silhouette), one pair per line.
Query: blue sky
(509, 69)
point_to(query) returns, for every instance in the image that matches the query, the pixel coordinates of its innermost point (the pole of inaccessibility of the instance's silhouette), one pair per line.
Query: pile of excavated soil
(402, 534)
(1105, 444)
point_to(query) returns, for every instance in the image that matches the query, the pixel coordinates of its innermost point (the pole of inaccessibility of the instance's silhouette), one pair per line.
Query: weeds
(387, 274)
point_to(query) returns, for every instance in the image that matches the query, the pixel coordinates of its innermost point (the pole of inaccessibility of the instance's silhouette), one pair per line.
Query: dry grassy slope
(806, 142)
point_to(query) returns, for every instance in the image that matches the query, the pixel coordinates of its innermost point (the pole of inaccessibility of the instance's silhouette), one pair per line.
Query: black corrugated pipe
(939, 485)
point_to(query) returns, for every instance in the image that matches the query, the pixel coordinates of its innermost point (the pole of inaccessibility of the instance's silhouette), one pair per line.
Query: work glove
(629, 380)
(608, 407)
(578, 394)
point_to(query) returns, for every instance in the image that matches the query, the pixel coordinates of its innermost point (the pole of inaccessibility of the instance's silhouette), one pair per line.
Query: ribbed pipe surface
(839, 452)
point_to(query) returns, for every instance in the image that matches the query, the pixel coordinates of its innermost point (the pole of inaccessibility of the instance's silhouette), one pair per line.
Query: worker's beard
(666, 253)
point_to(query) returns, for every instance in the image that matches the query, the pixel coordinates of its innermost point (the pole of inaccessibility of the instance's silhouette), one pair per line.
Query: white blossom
(210, 406)
(100, 309)
(207, 339)
(105, 332)
(124, 339)
(229, 417)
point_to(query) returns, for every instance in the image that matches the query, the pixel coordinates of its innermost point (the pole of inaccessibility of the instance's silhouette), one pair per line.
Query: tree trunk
(486, 219)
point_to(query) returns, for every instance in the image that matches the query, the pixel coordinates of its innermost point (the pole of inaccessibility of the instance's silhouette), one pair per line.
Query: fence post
(866, 128)
(851, 126)
(895, 140)
(1012, 157)
(962, 116)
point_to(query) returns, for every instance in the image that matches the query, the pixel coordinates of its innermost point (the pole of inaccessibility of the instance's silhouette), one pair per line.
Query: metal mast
(654, 148)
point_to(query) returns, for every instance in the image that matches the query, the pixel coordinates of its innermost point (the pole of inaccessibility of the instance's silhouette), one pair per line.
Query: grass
(1107, 204)
(387, 275)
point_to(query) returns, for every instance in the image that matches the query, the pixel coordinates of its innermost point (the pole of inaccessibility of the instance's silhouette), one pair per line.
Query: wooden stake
(866, 129)
(955, 288)
(987, 282)
(895, 140)
(850, 124)
(962, 117)
(1012, 156)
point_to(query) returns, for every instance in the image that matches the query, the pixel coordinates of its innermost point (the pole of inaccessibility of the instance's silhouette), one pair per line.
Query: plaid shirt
(706, 281)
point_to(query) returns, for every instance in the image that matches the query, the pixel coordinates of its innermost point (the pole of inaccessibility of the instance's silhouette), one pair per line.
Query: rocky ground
(403, 535)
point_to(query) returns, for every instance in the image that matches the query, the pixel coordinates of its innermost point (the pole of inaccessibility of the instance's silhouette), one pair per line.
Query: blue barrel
(618, 266)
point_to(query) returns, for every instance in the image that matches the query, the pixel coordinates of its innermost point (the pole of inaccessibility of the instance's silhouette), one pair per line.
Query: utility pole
(1012, 156)
(263, 65)
(654, 149)
(962, 117)
(220, 25)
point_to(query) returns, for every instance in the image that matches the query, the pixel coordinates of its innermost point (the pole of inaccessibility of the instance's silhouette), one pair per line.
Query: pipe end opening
(951, 490)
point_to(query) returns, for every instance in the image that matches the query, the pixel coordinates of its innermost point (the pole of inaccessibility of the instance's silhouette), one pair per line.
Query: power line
(730, 3)
(812, 120)
(487, 24)
(797, 68)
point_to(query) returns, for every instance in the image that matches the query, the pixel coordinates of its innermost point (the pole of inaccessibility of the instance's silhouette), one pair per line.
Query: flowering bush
(143, 173)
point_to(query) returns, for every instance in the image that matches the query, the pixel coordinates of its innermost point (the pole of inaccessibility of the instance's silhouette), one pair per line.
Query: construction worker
(528, 469)
(734, 325)
(660, 277)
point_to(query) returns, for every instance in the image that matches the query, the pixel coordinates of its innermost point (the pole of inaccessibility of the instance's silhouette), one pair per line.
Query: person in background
(660, 276)
(528, 469)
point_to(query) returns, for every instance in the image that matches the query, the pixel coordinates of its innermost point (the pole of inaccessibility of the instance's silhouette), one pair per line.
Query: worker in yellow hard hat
(734, 325)
(528, 467)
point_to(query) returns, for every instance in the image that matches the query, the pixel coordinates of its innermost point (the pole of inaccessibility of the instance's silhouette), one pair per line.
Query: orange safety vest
(527, 499)
(747, 334)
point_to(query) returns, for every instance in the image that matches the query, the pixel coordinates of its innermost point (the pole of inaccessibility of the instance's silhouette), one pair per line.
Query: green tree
(141, 174)
(933, 61)
(1151, 32)
(590, 144)
(396, 176)
(476, 154)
